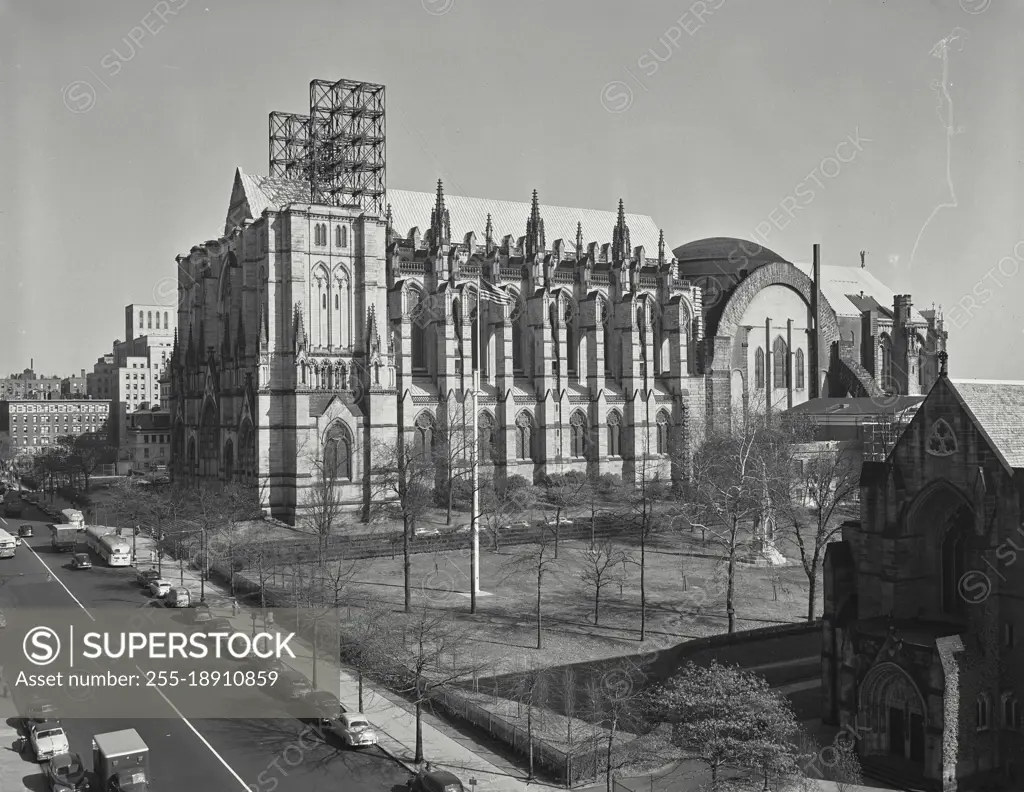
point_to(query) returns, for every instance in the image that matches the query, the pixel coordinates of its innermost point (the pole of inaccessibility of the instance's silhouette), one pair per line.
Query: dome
(722, 255)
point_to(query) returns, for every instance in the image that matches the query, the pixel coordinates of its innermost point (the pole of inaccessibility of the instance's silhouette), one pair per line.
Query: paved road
(199, 755)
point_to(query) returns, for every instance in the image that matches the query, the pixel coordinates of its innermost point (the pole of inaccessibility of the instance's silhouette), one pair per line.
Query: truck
(120, 761)
(73, 517)
(63, 537)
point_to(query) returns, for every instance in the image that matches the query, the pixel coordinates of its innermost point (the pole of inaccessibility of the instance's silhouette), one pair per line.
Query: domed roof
(725, 255)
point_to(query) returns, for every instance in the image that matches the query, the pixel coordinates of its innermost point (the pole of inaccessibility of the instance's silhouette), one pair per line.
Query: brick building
(30, 385)
(921, 605)
(35, 425)
(148, 439)
(329, 324)
(74, 387)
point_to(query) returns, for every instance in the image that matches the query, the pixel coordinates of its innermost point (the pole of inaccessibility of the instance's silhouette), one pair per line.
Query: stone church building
(312, 331)
(920, 655)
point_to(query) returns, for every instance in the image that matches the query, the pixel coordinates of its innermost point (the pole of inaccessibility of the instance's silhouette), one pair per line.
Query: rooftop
(864, 406)
(997, 407)
(851, 289)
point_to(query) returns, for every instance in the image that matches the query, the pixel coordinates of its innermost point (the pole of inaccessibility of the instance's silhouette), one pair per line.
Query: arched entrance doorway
(895, 713)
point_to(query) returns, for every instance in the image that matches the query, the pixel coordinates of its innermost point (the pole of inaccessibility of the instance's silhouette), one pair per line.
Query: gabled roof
(997, 408)
(865, 406)
(253, 194)
(409, 209)
(837, 283)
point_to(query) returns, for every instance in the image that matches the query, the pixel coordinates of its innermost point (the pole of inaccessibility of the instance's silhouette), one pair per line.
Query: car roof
(443, 776)
(46, 725)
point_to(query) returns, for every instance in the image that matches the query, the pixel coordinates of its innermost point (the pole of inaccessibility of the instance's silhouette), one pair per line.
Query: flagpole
(474, 560)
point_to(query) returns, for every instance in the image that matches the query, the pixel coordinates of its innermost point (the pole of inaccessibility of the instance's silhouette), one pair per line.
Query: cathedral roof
(842, 287)
(997, 407)
(722, 256)
(412, 209)
(263, 192)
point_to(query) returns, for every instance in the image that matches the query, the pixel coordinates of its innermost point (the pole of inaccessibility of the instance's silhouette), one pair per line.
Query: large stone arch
(780, 274)
(888, 697)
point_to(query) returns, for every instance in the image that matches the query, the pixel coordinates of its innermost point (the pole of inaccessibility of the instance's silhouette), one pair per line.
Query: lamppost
(203, 568)
(135, 536)
(159, 555)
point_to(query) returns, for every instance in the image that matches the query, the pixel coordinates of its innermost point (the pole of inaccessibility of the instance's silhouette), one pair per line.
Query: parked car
(38, 710)
(561, 522)
(435, 781)
(66, 773)
(25, 531)
(81, 561)
(354, 730)
(47, 740)
(159, 587)
(327, 707)
(179, 597)
(146, 576)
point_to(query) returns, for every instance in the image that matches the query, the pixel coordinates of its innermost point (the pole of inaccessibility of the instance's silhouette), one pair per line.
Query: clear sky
(123, 123)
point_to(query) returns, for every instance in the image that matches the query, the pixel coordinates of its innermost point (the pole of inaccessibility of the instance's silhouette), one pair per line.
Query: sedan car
(435, 781)
(66, 773)
(354, 730)
(25, 531)
(81, 561)
(159, 587)
(38, 710)
(147, 576)
(47, 740)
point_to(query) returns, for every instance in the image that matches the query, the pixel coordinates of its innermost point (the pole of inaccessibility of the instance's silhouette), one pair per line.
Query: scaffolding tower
(339, 148)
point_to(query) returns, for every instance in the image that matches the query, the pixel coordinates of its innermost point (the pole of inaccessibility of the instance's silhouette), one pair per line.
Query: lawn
(685, 587)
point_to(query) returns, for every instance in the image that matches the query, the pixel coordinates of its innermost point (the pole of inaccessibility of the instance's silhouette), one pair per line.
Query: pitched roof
(997, 407)
(842, 287)
(411, 209)
(865, 406)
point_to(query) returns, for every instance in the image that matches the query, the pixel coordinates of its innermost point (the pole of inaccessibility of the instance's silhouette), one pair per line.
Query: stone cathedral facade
(310, 331)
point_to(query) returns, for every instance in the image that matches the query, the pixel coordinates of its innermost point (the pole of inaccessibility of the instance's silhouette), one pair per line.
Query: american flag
(491, 293)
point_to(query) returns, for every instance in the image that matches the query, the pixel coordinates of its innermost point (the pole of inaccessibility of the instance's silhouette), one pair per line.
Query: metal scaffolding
(339, 148)
(289, 146)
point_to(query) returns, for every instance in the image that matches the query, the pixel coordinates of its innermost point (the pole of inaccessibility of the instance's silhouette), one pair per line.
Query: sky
(888, 127)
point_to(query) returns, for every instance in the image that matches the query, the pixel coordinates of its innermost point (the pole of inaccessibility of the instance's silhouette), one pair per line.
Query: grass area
(685, 587)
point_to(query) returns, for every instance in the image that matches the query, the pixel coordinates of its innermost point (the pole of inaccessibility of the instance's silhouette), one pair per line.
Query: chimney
(815, 339)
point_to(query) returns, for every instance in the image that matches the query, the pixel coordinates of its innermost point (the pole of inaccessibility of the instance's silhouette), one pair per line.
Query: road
(198, 755)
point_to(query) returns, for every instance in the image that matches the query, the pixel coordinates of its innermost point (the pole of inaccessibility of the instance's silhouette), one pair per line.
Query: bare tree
(324, 504)
(426, 653)
(503, 503)
(726, 496)
(811, 501)
(536, 560)
(403, 477)
(599, 493)
(601, 567)
(562, 493)
(361, 641)
(452, 455)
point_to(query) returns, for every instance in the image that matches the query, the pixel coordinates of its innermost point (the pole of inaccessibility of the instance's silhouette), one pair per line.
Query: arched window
(229, 460)
(157, 320)
(524, 436)
(799, 369)
(780, 364)
(208, 445)
(338, 453)
(323, 301)
(571, 350)
(606, 333)
(486, 451)
(953, 561)
(614, 433)
(473, 329)
(663, 428)
(982, 712)
(418, 324)
(344, 236)
(337, 302)
(424, 435)
(149, 317)
(885, 362)
(518, 337)
(1011, 712)
(141, 316)
(641, 332)
(337, 236)
(759, 368)
(578, 429)
(166, 326)
(556, 352)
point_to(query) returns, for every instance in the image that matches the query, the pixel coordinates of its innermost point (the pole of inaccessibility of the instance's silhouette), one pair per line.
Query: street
(259, 755)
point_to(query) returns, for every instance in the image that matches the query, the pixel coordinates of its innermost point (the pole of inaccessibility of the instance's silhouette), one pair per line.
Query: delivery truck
(120, 761)
(63, 538)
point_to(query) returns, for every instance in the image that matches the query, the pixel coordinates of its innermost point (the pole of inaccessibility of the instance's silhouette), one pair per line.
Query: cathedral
(325, 321)
(921, 595)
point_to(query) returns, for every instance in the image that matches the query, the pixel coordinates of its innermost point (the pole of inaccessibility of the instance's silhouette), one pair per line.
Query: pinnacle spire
(535, 244)
(579, 239)
(489, 235)
(661, 246)
(440, 226)
(621, 248)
